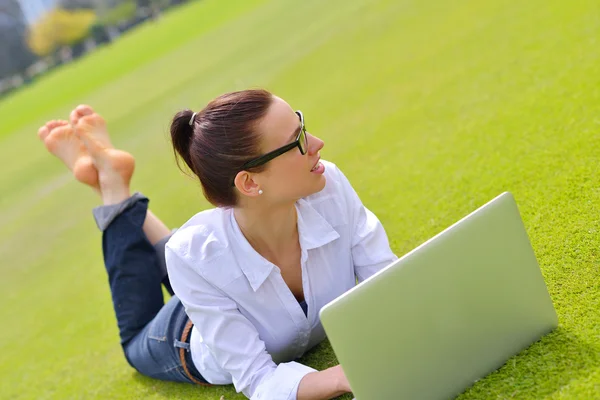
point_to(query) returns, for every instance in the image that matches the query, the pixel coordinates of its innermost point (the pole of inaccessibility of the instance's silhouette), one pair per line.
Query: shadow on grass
(321, 357)
(540, 370)
(175, 390)
(172, 390)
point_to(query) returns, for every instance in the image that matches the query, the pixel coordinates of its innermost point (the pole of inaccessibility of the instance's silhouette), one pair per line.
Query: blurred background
(431, 108)
(38, 35)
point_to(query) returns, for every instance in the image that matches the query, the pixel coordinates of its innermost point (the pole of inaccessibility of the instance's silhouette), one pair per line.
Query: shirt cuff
(283, 384)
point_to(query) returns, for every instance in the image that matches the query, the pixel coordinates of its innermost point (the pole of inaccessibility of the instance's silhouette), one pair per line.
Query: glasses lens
(303, 141)
(302, 138)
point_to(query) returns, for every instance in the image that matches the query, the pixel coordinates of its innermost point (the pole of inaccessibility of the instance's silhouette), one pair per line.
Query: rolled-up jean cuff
(104, 215)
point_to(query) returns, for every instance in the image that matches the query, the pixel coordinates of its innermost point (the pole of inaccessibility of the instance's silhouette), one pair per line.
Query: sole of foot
(60, 140)
(115, 167)
(91, 124)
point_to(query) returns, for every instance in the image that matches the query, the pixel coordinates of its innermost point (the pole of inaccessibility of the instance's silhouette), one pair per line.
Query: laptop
(446, 314)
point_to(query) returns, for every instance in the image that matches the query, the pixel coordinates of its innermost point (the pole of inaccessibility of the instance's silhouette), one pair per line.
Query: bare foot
(115, 167)
(60, 140)
(84, 118)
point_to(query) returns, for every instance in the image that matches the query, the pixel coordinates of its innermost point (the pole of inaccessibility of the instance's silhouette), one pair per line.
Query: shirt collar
(313, 230)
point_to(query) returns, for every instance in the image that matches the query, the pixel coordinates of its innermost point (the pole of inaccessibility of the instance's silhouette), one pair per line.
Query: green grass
(430, 108)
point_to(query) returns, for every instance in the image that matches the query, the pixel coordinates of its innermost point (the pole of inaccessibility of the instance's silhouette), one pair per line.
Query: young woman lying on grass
(288, 235)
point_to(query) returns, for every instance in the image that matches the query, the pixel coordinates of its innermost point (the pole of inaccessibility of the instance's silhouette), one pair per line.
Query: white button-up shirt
(248, 326)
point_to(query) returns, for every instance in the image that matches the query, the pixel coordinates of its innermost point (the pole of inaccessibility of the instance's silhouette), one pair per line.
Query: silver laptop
(446, 314)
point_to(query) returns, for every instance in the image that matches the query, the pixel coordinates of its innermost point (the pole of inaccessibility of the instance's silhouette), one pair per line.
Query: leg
(154, 229)
(131, 261)
(159, 247)
(149, 329)
(115, 169)
(60, 140)
(133, 245)
(133, 272)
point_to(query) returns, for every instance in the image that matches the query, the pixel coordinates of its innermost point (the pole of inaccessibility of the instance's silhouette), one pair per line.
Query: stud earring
(260, 191)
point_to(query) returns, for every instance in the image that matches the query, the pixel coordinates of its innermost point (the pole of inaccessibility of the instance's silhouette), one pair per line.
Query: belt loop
(181, 345)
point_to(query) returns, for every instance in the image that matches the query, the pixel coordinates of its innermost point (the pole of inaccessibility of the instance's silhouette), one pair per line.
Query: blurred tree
(14, 54)
(162, 4)
(41, 39)
(60, 27)
(121, 12)
(77, 4)
(74, 26)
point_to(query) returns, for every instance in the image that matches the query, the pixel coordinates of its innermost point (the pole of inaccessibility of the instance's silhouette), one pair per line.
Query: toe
(73, 117)
(78, 112)
(84, 109)
(55, 124)
(43, 132)
(94, 120)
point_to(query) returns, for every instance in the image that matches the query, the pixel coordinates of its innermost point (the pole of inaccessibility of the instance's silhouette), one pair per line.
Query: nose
(314, 144)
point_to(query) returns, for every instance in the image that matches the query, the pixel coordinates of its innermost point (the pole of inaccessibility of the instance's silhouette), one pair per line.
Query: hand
(328, 384)
(343, 383)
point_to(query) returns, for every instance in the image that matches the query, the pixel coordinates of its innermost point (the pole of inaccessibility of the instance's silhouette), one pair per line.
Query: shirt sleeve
(231, 338)
(370, 246)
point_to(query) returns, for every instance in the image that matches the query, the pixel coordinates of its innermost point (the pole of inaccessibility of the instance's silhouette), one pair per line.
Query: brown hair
(220, 139)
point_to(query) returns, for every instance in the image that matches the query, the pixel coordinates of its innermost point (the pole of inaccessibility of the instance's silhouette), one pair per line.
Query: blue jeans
(150, 330)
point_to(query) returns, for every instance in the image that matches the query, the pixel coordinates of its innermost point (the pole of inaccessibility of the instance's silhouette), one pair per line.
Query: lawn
(430, 108)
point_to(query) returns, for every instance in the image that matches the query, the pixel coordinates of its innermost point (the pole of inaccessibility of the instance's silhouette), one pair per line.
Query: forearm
(322, 385)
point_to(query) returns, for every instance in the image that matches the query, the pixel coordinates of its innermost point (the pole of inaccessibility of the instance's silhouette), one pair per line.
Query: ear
(246, 184)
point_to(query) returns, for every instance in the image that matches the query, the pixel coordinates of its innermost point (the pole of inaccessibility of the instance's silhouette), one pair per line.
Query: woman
(288, 235)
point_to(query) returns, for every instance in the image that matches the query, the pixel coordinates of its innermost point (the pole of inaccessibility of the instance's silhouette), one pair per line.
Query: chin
(318, 185)
(314, 187)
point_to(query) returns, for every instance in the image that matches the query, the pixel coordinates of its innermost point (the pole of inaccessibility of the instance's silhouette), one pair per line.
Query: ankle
(113, 196)
(114, 191)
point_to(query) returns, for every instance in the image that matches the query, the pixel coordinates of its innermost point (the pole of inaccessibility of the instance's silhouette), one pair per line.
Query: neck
(271, 230)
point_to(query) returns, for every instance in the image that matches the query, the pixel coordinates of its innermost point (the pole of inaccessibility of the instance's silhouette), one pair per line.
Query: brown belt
(184, 337)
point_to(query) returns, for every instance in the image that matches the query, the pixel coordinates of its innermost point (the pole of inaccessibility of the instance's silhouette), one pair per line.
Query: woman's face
(292, 175)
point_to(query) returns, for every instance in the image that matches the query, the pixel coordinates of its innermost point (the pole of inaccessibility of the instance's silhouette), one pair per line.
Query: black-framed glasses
(301, 143)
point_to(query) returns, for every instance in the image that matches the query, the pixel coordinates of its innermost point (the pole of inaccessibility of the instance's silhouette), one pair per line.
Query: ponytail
(182, 132)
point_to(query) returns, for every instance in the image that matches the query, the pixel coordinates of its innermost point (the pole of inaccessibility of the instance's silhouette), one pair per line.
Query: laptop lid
(446, 314)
